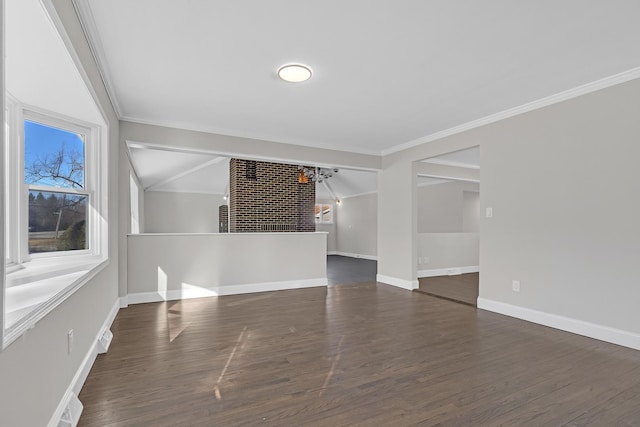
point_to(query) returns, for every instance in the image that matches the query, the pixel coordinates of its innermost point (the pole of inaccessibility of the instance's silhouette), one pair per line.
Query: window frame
(51, 120)
(24, 268)
(331, 209)
(17, 191)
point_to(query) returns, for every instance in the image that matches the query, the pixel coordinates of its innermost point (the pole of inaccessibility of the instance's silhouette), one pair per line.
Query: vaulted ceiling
(385, 72)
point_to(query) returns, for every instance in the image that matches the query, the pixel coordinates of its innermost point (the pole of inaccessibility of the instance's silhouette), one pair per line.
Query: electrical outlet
(515, 286)
(70, 341)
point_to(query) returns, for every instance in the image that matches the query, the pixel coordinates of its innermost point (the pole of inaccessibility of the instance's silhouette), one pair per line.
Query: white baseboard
(85, 367)
(197, 292)
(350, 255)
(332, 253)
(400, 283)
(587, 329)
(124, 301)
(451, 271)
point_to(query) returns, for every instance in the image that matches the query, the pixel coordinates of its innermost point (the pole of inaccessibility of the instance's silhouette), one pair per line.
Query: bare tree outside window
(64, 168)
(54, 172)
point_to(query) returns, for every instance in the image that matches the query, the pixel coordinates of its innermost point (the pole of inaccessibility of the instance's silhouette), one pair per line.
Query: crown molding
(88, 23)
(55, 20)
(604, 83)
(436, 161)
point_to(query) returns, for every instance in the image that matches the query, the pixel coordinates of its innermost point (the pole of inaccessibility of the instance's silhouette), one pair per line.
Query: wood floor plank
(365, 354)
(463, 288)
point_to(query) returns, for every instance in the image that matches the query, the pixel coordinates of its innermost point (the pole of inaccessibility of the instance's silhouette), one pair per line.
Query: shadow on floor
(342, 270)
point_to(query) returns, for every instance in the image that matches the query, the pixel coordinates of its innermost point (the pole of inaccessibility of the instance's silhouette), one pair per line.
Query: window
(55, 210)
(324, 214)
(54, 164)
(50, 206)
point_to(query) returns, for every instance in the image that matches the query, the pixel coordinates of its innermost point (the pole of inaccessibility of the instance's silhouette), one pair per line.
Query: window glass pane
(52, 156)
(57, 221)
(326, 213)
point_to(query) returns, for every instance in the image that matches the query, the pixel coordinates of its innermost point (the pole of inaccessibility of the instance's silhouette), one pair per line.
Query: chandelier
(315, 174)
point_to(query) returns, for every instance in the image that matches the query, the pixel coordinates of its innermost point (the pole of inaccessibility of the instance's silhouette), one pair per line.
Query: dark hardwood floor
(367, 354)
(460, 288)
(342, 270)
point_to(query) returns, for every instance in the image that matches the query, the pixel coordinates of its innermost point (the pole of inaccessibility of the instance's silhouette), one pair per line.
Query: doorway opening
(448, 237)
(347, 210)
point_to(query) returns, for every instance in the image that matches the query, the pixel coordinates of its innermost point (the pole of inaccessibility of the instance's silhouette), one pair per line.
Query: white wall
(357, 224)
(562, 182)
(441, 207)
(170, 266)
(171, 212)
(37, 369)
(563, 185)
(330, 229)
(470, 211)
(446, 251)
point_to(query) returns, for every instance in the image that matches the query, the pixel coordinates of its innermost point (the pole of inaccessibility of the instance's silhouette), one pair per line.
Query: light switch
(489, 213)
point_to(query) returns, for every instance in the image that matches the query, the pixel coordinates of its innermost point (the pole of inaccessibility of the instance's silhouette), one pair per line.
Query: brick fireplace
(268, 197)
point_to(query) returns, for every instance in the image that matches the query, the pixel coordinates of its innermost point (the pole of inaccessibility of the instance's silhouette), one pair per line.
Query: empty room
(320, 214)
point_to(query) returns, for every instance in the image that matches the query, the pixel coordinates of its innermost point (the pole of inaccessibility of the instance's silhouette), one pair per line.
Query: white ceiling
(39, 71)
(385, 72)
(164, 170)
(347, 183)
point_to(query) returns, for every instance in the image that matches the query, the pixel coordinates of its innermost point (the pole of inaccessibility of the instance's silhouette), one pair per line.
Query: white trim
(3, 161)
(360, 194)
(88, 24)
(332, 253)
(436, 161)
(29, 321)
(351, 255)
(330, 190)
(451, 271)
(52, 14)
(606, 82)
(193, 292)
(587, 329)
(83, 370)
(400, 283)
(124, 301)
(182, 174)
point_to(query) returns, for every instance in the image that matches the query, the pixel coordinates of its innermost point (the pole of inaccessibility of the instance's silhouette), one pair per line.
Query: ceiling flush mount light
(294, 73)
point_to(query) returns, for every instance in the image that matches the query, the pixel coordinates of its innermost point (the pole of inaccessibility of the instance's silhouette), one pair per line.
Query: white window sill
(47, 268)
(33, 291)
